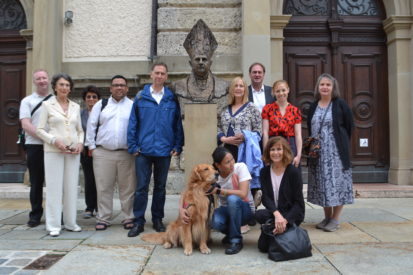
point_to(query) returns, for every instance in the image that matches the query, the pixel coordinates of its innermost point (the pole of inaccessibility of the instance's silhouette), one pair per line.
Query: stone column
(200, 128)
(27, 34)
(47, 35)
(399, 39)
(256, 43)
(278, 22)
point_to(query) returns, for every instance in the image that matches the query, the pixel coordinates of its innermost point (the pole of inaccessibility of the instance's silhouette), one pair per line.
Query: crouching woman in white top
(60, 128)
(236, 203)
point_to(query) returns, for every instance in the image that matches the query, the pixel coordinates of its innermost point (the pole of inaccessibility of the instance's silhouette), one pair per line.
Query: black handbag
(312, 145)
(294, 243)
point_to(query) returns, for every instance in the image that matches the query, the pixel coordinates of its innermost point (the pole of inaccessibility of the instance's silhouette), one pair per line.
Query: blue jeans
(228, 219)
(143, 166)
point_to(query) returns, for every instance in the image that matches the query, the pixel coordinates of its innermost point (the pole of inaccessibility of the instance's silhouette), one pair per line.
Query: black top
(290, 195)
(342, 127)
(268, 95)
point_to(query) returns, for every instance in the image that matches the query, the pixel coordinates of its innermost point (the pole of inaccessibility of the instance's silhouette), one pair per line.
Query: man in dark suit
(259, 93)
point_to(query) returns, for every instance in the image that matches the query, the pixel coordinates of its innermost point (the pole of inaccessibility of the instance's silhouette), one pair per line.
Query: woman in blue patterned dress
(330, 178)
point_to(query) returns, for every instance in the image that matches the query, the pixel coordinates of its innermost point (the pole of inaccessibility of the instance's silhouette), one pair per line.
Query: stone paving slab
(389, 232)
(376, 258)
(15, 261)
(347, 233)
(114, 235)
(248, 261)
(61, 245)
(69, 235)
(114, 259)
(355, 215)
(23, 235)
(19, 218)
(5, 214)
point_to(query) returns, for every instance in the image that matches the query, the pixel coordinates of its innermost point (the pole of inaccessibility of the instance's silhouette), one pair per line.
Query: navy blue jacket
(155, 129)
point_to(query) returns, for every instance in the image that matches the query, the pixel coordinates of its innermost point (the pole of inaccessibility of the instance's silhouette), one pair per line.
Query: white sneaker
(245, 229)
(54, 233)
(76, 228)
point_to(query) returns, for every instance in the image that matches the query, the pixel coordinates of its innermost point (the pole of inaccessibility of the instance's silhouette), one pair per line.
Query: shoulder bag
(312, 145)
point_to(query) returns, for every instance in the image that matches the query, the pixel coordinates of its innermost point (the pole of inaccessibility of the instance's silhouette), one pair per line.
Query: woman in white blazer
(61, 130)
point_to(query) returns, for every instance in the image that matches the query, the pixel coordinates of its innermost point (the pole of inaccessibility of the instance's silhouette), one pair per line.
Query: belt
(100, 146)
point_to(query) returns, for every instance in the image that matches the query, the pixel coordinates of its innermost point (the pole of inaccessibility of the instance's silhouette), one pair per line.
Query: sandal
(101, 226)
(128, 224)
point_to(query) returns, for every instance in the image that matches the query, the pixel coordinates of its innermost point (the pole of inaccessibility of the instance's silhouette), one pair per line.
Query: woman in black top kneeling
(282, 187)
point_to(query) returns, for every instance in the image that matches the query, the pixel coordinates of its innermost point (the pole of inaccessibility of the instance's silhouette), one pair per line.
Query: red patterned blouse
(281, 125)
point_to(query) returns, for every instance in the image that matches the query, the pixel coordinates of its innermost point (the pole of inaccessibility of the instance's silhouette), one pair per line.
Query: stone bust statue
(201, 86)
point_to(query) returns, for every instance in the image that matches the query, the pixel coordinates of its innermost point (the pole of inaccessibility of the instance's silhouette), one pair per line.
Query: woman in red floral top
(281, 118)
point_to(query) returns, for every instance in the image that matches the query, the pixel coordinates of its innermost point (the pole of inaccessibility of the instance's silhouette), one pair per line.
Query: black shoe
(136, 230)
(225, 240)
(233, 249)
(33, 223)
(159, 226)
(252, 222)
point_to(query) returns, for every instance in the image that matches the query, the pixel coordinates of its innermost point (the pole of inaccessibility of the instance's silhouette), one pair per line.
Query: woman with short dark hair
(90, 96)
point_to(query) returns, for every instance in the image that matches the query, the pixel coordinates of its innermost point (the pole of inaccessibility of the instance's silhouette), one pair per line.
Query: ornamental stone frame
(399, 29)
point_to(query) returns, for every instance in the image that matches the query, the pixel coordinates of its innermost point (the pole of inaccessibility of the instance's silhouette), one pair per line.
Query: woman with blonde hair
(238, 116)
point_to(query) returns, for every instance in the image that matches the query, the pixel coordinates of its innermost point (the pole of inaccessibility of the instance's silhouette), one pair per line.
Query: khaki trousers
(111, 167)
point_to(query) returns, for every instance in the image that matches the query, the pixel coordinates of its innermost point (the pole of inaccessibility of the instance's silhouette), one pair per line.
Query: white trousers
(62, 179)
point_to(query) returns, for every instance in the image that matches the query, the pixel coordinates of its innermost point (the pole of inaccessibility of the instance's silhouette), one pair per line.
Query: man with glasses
(30, 109)
(107, 143)
(155, 134)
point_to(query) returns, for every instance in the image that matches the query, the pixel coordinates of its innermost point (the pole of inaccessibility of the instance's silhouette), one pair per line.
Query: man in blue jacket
(155, 134)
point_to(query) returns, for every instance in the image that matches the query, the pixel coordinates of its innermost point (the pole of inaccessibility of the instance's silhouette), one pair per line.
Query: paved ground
(376, 237)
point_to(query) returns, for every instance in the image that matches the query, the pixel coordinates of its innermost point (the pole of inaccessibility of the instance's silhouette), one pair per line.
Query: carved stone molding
(12, 16)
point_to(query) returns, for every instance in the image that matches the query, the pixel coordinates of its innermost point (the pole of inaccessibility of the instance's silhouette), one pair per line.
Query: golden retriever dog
(196, 202)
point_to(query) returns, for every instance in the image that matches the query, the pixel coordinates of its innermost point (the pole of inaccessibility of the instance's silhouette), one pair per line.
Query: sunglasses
(92, 96)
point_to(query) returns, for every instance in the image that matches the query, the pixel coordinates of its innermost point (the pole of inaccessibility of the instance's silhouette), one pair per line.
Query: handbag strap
(39, 104)
(324, 116)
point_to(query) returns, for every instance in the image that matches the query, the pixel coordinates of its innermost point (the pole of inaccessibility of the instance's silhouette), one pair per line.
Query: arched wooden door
(12, 79)
(344, 38)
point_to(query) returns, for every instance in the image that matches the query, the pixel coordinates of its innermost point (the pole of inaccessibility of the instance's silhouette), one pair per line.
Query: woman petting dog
(235, 199)
(282, 188)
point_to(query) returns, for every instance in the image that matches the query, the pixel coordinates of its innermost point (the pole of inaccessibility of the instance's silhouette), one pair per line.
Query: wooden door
(330, 38)
(12, 79)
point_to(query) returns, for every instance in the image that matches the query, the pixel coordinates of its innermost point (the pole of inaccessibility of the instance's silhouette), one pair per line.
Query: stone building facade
(121, 37)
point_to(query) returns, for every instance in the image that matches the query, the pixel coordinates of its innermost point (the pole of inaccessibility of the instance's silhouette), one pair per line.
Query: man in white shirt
(259, 93)
(106, 139)
(34, 145)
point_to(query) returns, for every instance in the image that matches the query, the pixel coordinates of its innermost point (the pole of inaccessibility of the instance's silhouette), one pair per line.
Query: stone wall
(113, 30)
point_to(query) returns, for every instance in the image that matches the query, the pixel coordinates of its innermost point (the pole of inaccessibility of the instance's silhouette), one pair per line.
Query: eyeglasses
(118, 85)
(92, 96)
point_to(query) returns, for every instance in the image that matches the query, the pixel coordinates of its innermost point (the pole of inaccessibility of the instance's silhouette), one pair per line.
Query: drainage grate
(44, 262)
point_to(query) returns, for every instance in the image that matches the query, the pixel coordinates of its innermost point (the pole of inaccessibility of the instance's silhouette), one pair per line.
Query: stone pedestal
(200, 128)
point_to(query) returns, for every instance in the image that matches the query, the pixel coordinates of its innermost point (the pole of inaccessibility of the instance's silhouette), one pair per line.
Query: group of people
(124, 141)
(260, 111)
(117, 140)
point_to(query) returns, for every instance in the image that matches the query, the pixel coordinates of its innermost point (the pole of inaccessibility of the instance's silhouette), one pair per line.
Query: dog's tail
(154, 238)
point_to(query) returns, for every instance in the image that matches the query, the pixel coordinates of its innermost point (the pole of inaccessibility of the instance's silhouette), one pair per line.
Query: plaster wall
(117, 30)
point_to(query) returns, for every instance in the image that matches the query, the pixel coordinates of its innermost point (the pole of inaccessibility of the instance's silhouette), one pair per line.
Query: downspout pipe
(154, 30)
